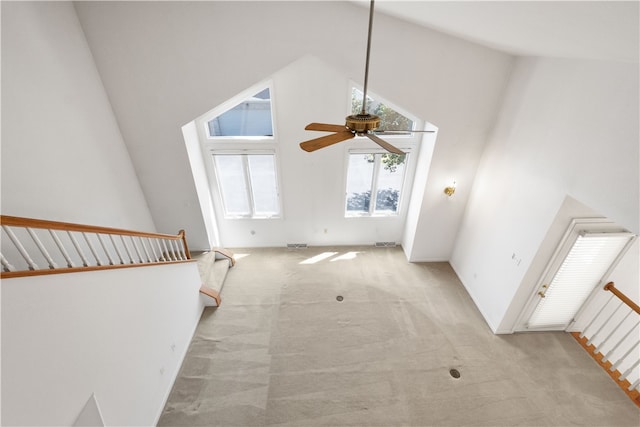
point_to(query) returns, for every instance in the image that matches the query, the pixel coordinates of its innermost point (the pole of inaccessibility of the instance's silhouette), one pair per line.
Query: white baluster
(176, 253)
(166, 251)
(628, 371)
(104, 248)
(634, 385)
(91, 248)
(620, 341)
(584, 331)
(144, 248)
(181, 253)
(63, 251)
(163, 250)
(620, 360)
(183, 249)
(173, 250)
(133, 242)
(5, 264)
(126, 248)
(153, 250)
(77, 246)
(32, 265)
(593, 337)
(43, 250)
(113, 243)
(604, 341)
(159, 246)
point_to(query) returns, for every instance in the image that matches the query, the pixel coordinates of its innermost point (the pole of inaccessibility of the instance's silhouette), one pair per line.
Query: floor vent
(296, 245)
(385, 244)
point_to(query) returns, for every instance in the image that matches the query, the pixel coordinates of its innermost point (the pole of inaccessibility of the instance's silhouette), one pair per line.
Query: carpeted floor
(282, 350)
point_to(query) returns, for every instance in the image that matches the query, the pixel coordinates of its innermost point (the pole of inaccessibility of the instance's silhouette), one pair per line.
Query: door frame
(575, 228)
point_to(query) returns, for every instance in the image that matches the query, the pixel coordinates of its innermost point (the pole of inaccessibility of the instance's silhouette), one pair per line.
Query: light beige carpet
(281, 350)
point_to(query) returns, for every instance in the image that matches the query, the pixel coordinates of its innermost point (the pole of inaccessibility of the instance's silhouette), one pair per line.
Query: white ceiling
(607, 30)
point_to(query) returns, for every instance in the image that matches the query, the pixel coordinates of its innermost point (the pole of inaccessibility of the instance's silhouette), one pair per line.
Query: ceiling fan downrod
(366, 66)
(364, 122)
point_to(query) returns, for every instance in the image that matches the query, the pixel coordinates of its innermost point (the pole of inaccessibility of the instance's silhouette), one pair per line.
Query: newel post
(183, 236)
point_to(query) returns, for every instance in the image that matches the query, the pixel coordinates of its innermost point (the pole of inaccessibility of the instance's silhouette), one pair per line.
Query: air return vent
(385, 244)
(296, 245)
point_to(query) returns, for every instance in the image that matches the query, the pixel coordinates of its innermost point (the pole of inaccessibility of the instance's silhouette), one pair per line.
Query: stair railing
(612, 338)
(32, 247)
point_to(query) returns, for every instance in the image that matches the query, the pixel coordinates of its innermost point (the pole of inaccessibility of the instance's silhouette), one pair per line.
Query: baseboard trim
(430, 260)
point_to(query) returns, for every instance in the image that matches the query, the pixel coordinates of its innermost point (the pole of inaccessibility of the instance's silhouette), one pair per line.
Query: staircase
(611, 339)
(39, 247)
(615, 374)
(213, 266)
(85, 296)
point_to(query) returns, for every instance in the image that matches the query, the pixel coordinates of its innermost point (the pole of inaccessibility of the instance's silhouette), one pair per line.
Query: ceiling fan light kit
(363, 124)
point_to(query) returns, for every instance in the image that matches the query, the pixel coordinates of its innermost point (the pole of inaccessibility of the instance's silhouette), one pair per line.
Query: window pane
(390, 119)
(390, 177)
(251, 117)
(262, 172)
(359, 180)
(232, 184)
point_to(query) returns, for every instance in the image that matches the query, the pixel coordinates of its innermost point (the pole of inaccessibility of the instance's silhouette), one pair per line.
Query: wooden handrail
(68, 226)
(611, 287)
(132, 258)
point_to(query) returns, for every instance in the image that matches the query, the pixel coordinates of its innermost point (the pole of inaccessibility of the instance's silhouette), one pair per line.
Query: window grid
(247, 183)
(366, 203)
(248, 195)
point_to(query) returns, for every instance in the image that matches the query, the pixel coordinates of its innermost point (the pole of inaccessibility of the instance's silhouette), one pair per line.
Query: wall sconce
(450, 190)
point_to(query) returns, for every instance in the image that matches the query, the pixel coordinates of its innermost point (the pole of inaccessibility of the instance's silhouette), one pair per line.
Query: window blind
(588, 261)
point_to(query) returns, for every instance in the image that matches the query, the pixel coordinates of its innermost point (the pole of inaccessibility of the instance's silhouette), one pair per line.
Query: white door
(582, 263)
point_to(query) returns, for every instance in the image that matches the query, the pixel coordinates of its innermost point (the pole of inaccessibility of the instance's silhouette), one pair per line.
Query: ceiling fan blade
(325, 141)
(384, 144)
(401, 132)
(325, 127)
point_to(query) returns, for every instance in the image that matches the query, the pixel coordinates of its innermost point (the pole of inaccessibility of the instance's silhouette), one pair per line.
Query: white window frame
(407, 143)
(399, 138)
(374, 184)
(231, 103)
(239, 145)
(247, 176)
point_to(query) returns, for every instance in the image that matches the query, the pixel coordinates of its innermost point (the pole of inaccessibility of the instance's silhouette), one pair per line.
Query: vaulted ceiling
(606, 30)
(180, 59)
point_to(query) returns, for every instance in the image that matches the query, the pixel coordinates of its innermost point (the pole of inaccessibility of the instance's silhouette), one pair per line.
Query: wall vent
(296, 245)
(385, 244)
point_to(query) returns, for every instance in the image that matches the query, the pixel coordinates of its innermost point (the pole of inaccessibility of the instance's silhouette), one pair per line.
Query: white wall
(63, 157)
(567, 127)
(197, 159)
(305, 217)
(166, 63)
(121, 334)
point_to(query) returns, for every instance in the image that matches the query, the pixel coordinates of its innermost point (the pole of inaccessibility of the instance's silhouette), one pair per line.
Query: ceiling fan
(362, 124)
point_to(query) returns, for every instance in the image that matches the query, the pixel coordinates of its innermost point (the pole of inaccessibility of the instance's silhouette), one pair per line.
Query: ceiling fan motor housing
(361, 123)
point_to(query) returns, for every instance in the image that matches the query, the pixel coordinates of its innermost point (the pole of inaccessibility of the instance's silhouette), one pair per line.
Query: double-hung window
(374, 183)
(248, 184)
(375, 177)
